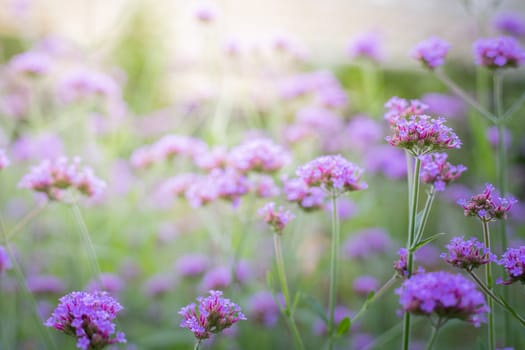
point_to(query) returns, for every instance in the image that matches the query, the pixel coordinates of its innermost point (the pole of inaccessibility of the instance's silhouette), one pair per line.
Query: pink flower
(277, 219)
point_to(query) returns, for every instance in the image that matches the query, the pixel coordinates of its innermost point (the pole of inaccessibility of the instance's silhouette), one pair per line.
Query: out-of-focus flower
(443, 104)
(277, 219)
(45, 284)
(513, 261)
(501, 52)
(362, 341)
(510, 23)
(340, 312)
(191, 265)
(308, 198)
(89, 318)
(211, 159)
(171, 145)
(55, 177)
(30, 64)
(212, 315)
(398, 108)
(4, 161)
(346, 208)
(303, 84)
(226, 184)
(363, 285)
(366, 45)
(108, 282)
(366, 242)
(15, 103)
(158, 285)
(487, 206)
(259, 155)
(219, 277)
(82, 84)
(445, 295)
(435, 170)
(493, 137)
(390, 162)
(205, 12)
(263, 309)
(178, 185)
(264, 187)
(467, 254)
(431, 52)
(319, 120)
(5, 261)
(37, 147)
(363, 132)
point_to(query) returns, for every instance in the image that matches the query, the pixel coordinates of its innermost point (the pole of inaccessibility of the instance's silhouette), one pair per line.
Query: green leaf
(343, 327)
(317, 308)
(426, 241)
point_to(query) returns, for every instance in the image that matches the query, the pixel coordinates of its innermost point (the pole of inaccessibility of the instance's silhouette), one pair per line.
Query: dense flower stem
(410, 242)
(426, 212)
(334, 259)
(490, 284)
(433, 337)
(377, 296)
(85, 237)
(288, 313)
(24, 221)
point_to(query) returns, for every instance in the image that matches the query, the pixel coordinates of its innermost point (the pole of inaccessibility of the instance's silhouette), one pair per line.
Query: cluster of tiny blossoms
(4, 161)
(431, 52)
(55, 177)
(212, 315)
(277, 219)
(332, 173)
(435, 170)
(308, 198)
(443, 295)
(400, 108)
(513, 260)
(5, 261)
(89, 318)
(487, 206)
(501, 52)
(259, 155)
(467, 254)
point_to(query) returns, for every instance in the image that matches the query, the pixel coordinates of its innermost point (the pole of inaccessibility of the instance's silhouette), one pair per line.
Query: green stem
(288, 312)
(433, 337)
(376, 296)
(426, 213)
(197, 344)
(490, 284)
(410, 242)
(26, 219)
(85, 237)
(513, 109)
(334, 258)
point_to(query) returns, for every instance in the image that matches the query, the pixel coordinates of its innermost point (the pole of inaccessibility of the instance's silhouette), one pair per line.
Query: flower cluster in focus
(400, 108)
(435, 170)
(467, 254)
(513, 260)
(431, 52)
(501, 52)
(487, 206)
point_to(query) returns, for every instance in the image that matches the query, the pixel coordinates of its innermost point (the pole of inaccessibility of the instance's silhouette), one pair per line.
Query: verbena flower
(259, 155)
(82, 84)
(226, 184)
(444, 104)
(366, 45)
(400, 108)
(400, 265)
(443, 295)
(219, 277)
(501, 52)
(510, 24)
(435, 170)
(493, 137)
(205, 12)
(89, 318)
(513, 260)
(386, 160)
(421, 134)
(467, 254)
(332, 173)
(4, 161)
(264, 187)
(5, 261)
(363, 285)
(263, 309)
(308, 198)
(55, 177)
(277, 219)
(487, 206)
(191, 265)
(431, 52)
(366, 242)
(30, 63)
(45, 284)
(212, 315)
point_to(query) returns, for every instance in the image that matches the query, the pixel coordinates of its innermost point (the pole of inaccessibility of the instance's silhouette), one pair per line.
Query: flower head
(362, 244)
(513, 260)
(30, 63)
(400, 265)
(487, 206)
(276, 219)
(365, 284)
(444, 295)
(84, 84)
(212, 315)
(437, 171)
(431, 52)
(501, 52)
(263, 308)
(4, 161)
(259, 155)
(444, 104)
(467, 254)
(398, 108)
(89, 318)
(510, 24)
(5, 261)
(332, 173)
(366, 45)
(308, 198)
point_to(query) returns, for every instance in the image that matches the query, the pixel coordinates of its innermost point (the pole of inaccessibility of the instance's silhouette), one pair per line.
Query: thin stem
(24, 221)
(85, 237)
(464, 95)
(334, 258)
(279, 260)
(433, 337)
(513, 109)
(376, 296)
(490, 284)
(426, 212)
(197, 344)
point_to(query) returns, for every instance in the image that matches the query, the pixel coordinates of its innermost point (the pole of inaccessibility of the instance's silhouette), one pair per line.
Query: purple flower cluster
(205, 12)
(259, 155)
(487, 206)
(467, 254)
(501, 52)
(364, 243)
(83, 84)
(513, 260)
(444, 104)
(263, 308)
(212, 315)
(308, 198)
(332, 173)
(386, 160)
(89, 318)
(435, 170)
(431, 52)
(400, 108)
(510, 23)
(400, 265)
(264, 187)
(55, 177)
(363, 285)
(192, 265)
(444, 295)
(5, 261)
(30, 63)
(421, 134)
(4, 161)
(277, 219)
(366, 45)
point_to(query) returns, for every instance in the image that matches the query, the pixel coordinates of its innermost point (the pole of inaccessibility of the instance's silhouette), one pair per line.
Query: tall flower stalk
(334, 258)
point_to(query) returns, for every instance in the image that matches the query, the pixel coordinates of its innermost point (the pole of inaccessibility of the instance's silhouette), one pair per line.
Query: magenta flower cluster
(443, 295)
(277, 219)
(501, 52)
(510, 23)
(488, 205)
(513, 261)
(467, 254)
(332, 173)
(166, 148)
(212, 315)
(4, 161)
(308, 198)
(431, 52)
(30, 63)
(366, 45)
(5, 261)
(259, 155)
(55, 177)
(421, 134)
(436, 171)
(89, 318)
(367, 242)
(400, 108)
(84, 84)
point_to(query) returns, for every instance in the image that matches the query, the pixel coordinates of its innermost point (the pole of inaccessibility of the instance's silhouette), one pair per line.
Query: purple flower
(391, 162)
(108, 282)
(264, 187)
(444, 295)
(400, 108)
(493, 137)
(362, 244)
(340, 312)
(435, 170)
(191, 265)
(443, 104)
(501, 52)
(30, 63)
(366, 45)
(171, 145)
(400, 265)
(363, 132)
(37, 147)
(44, 284)
(158, 285)
(487, 206)
(308, 198)
(263, 309)
(4, 161)
(277, 219)
(82, 84)
(205, 12)
(88, 317)
(332, 173)
(5, 261)
(212, 315)
(421, 134)
(513, 261)
(211, 159)
(363, 285)
(346, 208)
(431, 52)
(467, 254)
(219, 277)
(259, 155)
(319, 120)
(510, 23)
